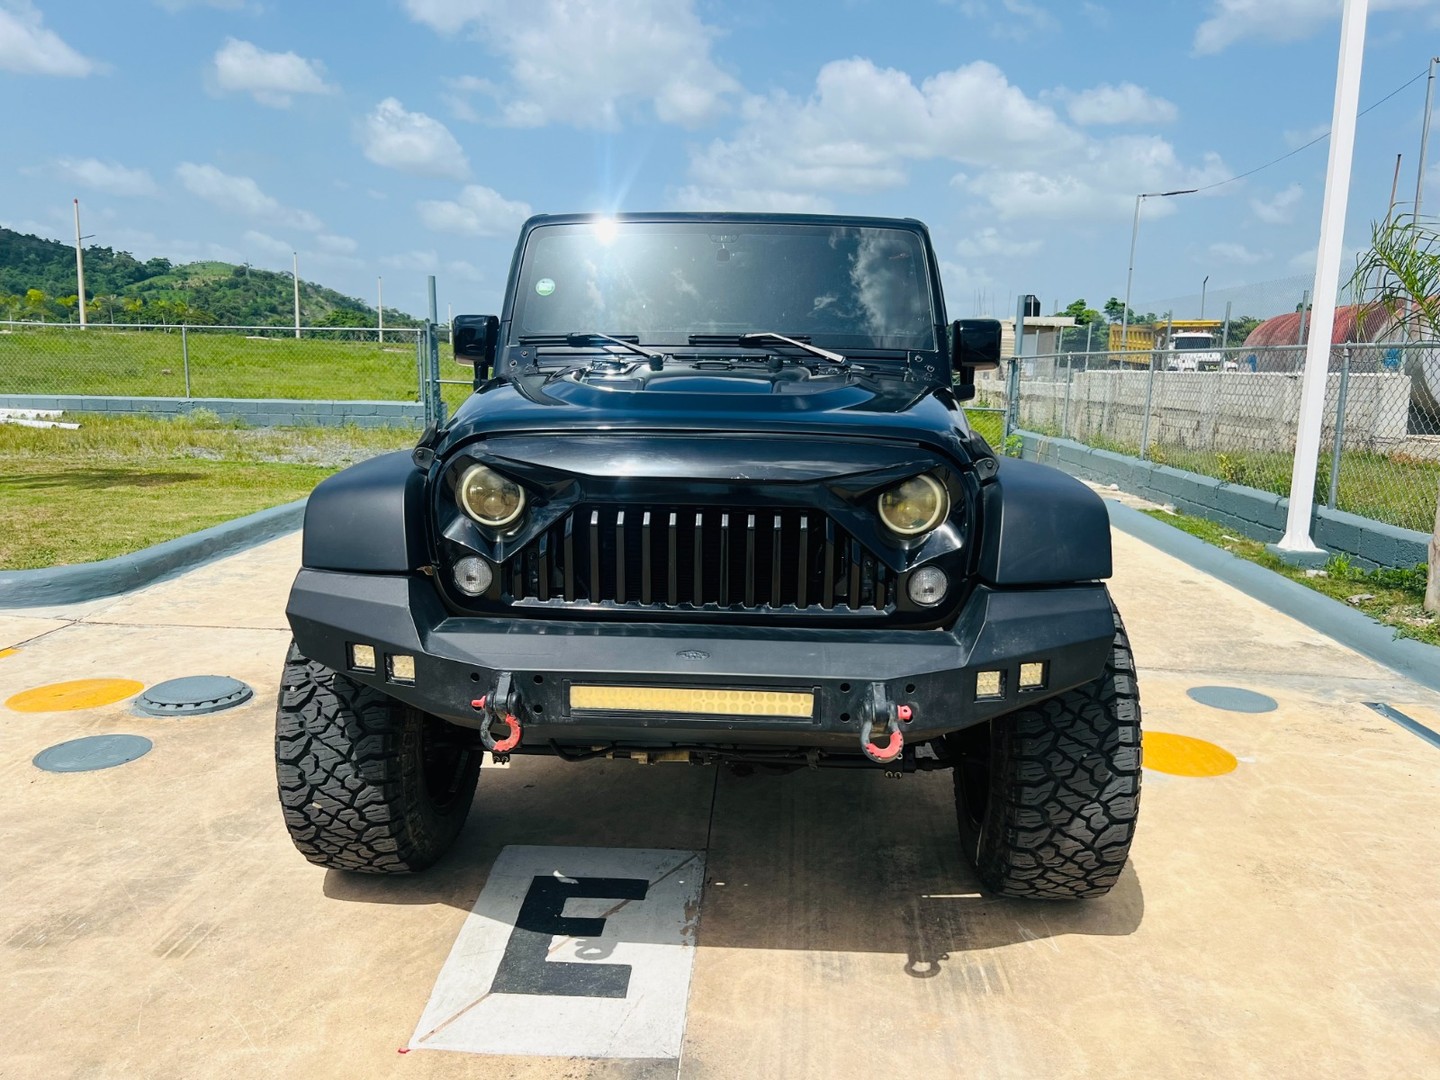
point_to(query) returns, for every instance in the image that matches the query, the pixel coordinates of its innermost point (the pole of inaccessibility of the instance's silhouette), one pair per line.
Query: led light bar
(708, 702)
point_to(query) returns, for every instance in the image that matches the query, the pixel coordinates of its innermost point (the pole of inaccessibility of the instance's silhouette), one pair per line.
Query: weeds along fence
(334, 363)
(1236, 421)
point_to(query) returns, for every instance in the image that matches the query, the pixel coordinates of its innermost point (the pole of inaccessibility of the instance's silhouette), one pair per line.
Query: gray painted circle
(92, 752)
(1233, 699)
(193, 695)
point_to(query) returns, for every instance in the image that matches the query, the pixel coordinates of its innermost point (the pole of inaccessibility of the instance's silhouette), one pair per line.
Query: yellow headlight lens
(488, 497)
(915, 506)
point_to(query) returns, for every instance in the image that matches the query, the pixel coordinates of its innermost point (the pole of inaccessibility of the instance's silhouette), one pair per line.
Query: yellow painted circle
(79, 694)
(1180, 755)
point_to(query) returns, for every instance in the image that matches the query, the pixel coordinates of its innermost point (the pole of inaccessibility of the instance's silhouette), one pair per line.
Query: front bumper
(1068, 629)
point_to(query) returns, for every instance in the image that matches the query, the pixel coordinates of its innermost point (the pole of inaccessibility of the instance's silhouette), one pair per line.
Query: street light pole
(295, 275)
(1424, 136)
(1296, 540)
(1130, 271)
(1204, 285)
(79, 264)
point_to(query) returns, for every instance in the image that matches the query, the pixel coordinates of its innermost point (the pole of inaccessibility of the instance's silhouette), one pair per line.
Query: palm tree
(1401, 272)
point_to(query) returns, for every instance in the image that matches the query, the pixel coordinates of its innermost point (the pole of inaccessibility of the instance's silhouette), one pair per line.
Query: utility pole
(79, 264)
(1130, 272)
(380, 305)
(295, 274)
(1297, 539)
(1425, 136)
(1204, 285)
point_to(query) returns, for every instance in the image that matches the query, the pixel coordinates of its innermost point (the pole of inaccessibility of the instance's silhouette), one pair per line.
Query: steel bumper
(1069, 630)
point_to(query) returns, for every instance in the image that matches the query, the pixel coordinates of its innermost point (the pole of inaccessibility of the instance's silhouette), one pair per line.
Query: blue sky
(408, 137)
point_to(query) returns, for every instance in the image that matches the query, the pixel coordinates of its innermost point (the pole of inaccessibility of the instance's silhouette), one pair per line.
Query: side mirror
(475, 338)
(974, 343)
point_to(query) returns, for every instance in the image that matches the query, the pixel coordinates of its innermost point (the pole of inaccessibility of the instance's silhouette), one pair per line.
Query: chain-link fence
(213, 362)
(1232, 414)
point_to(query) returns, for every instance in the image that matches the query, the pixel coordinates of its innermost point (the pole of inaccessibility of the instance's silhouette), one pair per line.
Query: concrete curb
(110, 577)
(1413, 659)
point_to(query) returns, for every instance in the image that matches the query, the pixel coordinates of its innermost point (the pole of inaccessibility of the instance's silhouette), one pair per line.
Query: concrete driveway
(1277, 919)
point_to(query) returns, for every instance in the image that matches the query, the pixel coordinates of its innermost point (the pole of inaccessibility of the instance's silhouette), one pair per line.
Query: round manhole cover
(193, 695)
(1232, 699)
(92, 752)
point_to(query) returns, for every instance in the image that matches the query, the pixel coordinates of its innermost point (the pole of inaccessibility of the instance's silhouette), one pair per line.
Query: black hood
(701, 398)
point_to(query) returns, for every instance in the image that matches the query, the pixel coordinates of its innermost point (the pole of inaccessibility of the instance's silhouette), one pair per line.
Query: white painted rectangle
(527, 991)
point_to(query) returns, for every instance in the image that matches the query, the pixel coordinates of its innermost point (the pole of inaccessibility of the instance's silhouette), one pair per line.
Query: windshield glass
(838, 286)
(1198, 341)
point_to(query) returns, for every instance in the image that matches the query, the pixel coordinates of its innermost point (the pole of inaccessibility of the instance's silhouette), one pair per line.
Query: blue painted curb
(91, 581)
(1413, 659)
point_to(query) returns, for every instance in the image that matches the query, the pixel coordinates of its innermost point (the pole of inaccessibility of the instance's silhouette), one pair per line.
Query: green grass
(988, 425)
(1396, 595)
(150, 363)
(120, 484)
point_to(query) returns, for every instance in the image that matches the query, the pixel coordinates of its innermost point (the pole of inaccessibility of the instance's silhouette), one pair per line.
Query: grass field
(1395, 596)
(120, 484)
(151, 363)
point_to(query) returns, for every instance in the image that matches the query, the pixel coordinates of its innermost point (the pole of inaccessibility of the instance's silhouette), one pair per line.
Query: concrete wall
(1247, 511)
(1214, 410)
(255, 412)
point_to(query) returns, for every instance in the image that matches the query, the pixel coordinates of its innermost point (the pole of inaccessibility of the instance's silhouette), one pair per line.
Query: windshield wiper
(580, 340)
(760, 336)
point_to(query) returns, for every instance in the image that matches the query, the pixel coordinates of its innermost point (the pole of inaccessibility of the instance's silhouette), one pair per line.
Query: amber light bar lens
(706, 702)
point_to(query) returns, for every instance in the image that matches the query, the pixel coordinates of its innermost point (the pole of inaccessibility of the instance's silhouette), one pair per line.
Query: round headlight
(473, 576)
(488, 497)
(928, 585)
(915, 506)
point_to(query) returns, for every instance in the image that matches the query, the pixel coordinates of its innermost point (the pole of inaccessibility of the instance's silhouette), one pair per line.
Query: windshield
(1197, 341)
(834, 285)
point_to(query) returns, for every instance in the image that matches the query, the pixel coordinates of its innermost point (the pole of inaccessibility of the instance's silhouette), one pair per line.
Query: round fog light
(473, 576)
(928, 586)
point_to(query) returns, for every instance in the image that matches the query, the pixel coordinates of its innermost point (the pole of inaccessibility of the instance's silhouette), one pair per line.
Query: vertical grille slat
(803, 575)
(724, 560)
(620, 553)
(672, 590)
(570, 558)
(684, 558)
(777, 557)
(750, 560)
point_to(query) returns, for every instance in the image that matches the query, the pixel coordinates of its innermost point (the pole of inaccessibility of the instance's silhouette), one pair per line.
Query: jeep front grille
(755, 560)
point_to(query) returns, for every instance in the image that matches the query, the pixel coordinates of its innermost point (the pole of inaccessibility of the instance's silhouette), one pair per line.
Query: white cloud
(1296, 138)
(27, 48)
(336, 245)
(989, 243)
(1233, 21)
(106, 176)
(1011, 20)
(1123, 104)
(753, 200)
(588, 64)
(267, 244)
(1238, 254)
(242, 195)
(863, 127)
(1279, 209)
(429, 262)
(269, 77)
(478, 211)
(411, 142)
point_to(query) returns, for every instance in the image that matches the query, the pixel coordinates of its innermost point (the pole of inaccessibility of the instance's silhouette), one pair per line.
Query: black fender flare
(369, 518)
(1041, 527)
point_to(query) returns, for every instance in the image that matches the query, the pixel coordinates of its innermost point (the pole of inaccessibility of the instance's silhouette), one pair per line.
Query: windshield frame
(921, 341)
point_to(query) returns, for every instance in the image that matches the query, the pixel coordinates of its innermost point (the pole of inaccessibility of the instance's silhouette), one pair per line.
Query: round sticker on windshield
(544, 286)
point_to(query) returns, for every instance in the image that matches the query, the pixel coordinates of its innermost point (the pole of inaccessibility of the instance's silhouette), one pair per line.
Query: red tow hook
(892, 749)
(488, 740)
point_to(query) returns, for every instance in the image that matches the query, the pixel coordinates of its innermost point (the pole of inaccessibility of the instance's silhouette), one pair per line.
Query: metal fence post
(1339, 428)
(1145, 422)
(1065, 416)
(437, 416)
(185, 357)
(422, 382)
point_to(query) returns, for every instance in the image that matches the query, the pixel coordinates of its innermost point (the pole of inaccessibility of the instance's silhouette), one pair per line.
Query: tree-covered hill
(37, 282)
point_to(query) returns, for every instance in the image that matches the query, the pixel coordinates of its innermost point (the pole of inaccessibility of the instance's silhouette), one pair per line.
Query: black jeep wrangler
(714, 500)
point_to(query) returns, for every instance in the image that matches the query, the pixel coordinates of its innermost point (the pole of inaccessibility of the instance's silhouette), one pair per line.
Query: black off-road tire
(367, 783)
(1047, 796)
